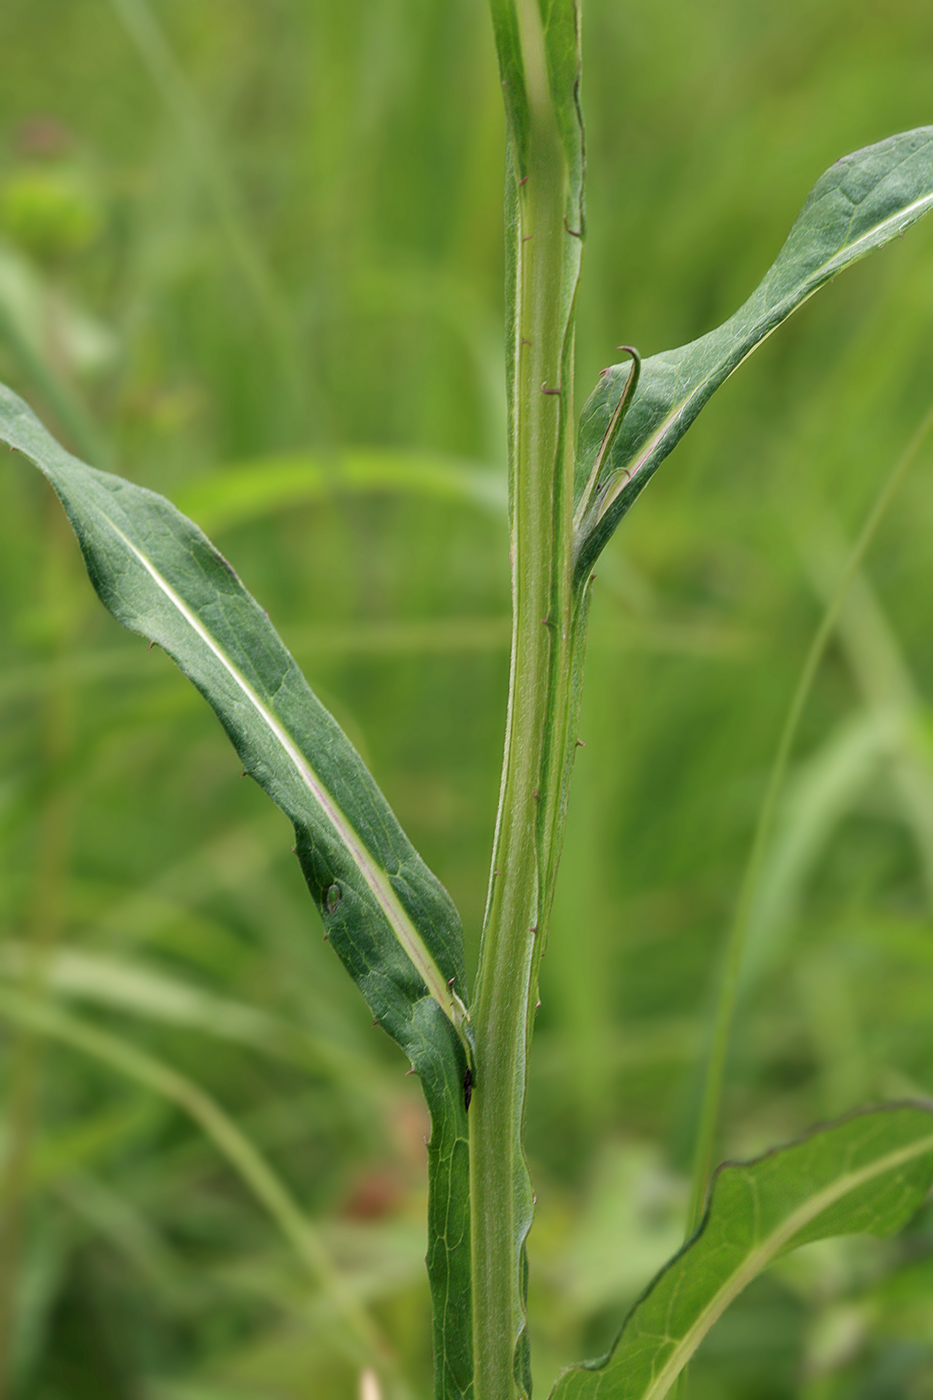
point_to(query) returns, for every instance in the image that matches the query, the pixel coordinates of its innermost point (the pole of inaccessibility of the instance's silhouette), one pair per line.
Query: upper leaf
(866, 1174)
(388, 917)
(859, 204)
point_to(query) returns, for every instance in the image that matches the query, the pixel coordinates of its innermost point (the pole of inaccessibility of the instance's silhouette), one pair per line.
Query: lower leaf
(866, 1174)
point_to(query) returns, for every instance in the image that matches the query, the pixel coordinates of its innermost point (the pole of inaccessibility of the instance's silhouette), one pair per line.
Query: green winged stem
(387, 916)
(859, 204)
(538, 47)
(867, 1174)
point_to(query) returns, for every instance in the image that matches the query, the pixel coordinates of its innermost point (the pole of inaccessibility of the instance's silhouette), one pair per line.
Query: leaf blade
(865, 1174)
(859, 204)
(389, 919)
(273, 739)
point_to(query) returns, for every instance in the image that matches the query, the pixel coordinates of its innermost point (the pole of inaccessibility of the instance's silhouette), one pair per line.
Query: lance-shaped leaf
(387, 916)
(864, 1175)
(859, 204)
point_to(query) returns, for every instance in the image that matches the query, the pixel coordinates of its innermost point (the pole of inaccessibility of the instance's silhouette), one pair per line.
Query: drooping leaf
(388, 917)
(864, 1175)
(859, 204)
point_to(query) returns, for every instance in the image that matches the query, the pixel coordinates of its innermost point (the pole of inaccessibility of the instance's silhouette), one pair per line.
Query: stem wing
(858, 204)
(864, 1175)
(538, 44)
(388, 917)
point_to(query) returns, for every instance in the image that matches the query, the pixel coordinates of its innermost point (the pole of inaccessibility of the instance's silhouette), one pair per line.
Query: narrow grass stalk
(724, 1017)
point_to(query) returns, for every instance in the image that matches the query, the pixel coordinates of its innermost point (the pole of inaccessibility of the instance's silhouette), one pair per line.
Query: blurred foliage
(237, 234)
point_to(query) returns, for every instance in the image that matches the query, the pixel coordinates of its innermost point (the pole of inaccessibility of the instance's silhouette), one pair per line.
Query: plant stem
(547, 631)
(738, 934)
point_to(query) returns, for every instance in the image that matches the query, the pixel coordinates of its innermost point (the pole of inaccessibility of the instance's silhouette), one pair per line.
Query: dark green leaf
(859, 204)
(388, 917)
(864, 1175)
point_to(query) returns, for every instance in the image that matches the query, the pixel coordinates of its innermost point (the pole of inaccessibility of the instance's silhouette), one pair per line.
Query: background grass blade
(136, 989)
(151, 44)
(262, 1181)
(867, 1174)
(730, 978)
(249, 490)
(859, 204)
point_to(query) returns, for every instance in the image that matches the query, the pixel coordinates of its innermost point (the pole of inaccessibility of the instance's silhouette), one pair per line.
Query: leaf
(857, 205)
(388, 917)
(863, 1175)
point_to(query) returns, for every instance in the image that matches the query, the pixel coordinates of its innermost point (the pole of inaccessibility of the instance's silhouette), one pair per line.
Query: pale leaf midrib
(760, 1257)
(372, 872)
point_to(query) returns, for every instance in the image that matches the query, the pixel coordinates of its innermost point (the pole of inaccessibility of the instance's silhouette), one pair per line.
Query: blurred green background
(250, 256)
